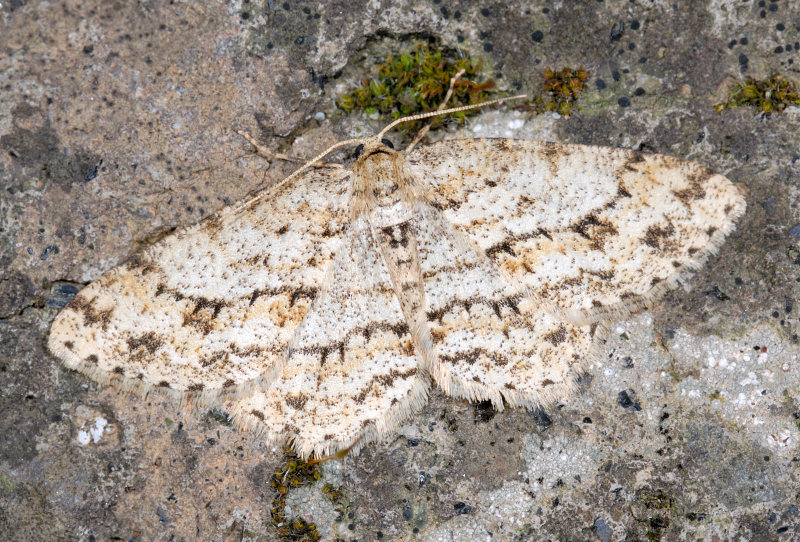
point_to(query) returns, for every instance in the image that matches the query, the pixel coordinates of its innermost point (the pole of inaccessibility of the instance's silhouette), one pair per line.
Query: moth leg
(261, 150)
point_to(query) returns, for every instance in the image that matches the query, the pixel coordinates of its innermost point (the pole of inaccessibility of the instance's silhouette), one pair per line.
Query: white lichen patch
(92, 433)
(91, 427)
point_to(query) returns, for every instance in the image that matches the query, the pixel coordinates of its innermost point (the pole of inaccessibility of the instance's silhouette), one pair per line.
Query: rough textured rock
(117, 125)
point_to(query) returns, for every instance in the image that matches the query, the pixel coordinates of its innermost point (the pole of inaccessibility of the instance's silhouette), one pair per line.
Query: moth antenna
(448, 111)
(442, 105)
(317, 158)
(322, 155)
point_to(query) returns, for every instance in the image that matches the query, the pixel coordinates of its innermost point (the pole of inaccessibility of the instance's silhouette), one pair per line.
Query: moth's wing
(491, 340)
(594, 231)
(214, 306)
(352, 375)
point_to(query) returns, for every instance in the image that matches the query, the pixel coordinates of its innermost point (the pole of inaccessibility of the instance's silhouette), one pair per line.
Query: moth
(322, 311)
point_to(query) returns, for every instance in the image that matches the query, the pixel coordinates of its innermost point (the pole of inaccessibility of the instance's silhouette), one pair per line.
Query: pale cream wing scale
(213, 307)
(353, 374)
(491, 341)
(592, 232)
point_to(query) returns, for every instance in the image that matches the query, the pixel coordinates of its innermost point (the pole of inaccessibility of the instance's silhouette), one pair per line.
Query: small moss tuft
(768, 95)
(562, 89)
(417, 82)
(334, 494)
(290, 474)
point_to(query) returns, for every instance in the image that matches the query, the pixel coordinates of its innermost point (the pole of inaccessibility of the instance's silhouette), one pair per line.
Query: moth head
(371, 146)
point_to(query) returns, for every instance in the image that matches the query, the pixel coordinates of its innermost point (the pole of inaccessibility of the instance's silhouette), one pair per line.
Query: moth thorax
(382, 188)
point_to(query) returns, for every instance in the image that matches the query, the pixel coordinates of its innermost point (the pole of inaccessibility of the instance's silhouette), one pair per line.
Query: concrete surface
(117, 125)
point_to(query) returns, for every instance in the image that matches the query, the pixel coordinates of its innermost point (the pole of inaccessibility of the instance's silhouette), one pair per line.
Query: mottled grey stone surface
(117, 125)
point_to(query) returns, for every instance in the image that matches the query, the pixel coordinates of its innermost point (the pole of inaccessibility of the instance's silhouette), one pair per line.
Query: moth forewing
(592, 232)
(208, 312)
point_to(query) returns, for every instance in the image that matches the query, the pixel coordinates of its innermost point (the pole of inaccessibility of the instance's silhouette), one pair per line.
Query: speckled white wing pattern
(317, 312)
(593, 232)
(213, 307)
(492, 341)
(353, 374)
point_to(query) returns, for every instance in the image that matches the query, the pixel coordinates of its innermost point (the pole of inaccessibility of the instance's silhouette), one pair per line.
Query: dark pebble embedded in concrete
(601, 530)
(61, 293)
(617, 29)
(537, 36)
(47, 251)
(794, 231)
(91, 173)
(625, 401)
(624, 101)
(483, 411)
(543, 420)
(627, 362)
(719, 294)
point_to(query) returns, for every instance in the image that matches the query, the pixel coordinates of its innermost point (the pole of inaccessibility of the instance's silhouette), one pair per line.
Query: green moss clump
(5, 483)
(768, 95)
(334, 494)
(292, 473)
(417, 82)
(562, 89)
